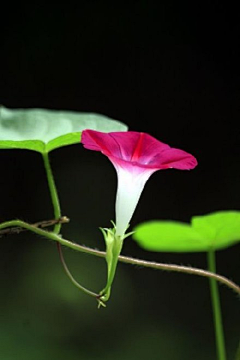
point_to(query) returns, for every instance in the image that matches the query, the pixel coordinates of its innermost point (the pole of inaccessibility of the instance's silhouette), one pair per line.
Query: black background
(171, 70)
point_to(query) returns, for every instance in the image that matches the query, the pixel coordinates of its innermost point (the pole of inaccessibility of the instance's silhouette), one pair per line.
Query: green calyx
(114, 245)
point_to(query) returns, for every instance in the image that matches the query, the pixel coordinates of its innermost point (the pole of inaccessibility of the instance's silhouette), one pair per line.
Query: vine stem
(53, 192)
(40, 224)
(88, 292)
(216, 307)
(125, 259)
(57, 226)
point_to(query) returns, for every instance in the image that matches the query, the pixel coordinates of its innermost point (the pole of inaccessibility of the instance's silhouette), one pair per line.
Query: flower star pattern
(135, 156)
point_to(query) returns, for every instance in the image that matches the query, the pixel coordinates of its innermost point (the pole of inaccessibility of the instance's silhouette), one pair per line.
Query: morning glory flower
(135, 156)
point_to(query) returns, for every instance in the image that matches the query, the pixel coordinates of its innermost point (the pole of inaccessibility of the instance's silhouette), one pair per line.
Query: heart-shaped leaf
(222, 228)
(169, 236)
(45, 130)
(208, 232)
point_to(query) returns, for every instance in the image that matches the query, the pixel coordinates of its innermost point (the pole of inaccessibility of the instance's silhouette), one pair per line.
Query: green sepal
(108, 235)
(113, 248)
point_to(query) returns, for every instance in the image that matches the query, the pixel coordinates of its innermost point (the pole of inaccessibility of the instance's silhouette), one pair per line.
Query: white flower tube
(135, 157)
(129, 189)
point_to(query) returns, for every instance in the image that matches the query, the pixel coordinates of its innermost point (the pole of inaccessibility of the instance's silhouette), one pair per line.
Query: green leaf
(208, 232)
(169, 236)
(222, 229)
(45, 130)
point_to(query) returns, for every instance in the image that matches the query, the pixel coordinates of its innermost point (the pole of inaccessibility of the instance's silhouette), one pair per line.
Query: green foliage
(45, 130)
(214, 231)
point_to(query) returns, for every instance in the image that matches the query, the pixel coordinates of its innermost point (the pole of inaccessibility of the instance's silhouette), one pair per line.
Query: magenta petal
(137, 147)
(99, 141)
(137, 150)
(129, 146)
(175, 158)
(135, 156)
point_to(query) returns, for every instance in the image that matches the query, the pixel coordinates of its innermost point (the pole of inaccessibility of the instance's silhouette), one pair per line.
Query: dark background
(166, 69)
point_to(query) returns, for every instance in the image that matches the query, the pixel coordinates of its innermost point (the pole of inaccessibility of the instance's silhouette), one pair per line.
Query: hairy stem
(125, 259)
(216, 306)
(40, 224)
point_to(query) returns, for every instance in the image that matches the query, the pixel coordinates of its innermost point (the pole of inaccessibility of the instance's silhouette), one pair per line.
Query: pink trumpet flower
(135, 156)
